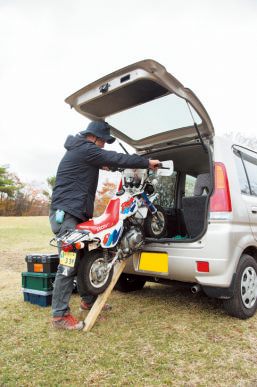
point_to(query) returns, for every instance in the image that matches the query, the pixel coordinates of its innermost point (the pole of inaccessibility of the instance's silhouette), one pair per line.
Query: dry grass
(160, 336)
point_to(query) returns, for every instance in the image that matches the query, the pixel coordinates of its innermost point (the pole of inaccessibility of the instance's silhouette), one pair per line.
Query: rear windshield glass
(154, 117)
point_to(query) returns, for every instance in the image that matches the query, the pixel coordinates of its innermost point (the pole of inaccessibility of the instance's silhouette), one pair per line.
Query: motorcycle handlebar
(160, 166)
(112, 169)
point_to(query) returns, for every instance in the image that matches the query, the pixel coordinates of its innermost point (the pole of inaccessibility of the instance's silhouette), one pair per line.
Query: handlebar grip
(160, 166)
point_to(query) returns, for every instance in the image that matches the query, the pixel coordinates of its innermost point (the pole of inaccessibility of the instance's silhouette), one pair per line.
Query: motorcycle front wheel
(93, 277)
(156, 228)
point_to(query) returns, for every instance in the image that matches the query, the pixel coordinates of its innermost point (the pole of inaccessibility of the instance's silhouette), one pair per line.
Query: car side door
(247, 170)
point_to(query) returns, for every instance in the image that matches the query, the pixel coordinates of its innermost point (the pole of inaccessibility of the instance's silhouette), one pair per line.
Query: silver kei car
(211, 198)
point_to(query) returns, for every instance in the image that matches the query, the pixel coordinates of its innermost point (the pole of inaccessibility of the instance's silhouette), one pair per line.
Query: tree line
(19, 199)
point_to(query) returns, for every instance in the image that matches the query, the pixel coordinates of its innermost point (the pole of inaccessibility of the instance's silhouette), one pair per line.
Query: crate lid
(41, 275)
(37, 292)
(42, 258)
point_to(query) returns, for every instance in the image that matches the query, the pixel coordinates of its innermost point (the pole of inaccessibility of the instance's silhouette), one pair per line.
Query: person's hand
(152, 164)
(105, 169)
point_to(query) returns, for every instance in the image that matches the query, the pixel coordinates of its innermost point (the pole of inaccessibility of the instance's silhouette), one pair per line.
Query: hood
(145, 106)
(73, 142)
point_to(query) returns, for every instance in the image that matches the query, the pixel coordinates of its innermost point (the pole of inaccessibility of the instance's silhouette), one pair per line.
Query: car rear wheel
(243, 304)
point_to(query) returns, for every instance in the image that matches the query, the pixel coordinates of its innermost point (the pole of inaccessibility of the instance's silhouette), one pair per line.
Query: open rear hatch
(145, 106)
(154, 113)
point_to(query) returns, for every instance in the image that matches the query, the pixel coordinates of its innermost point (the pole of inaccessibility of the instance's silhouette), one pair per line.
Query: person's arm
(152, 164)
(100, 157)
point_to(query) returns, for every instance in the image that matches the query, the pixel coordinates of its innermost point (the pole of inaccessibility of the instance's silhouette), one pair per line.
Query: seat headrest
(203, 181)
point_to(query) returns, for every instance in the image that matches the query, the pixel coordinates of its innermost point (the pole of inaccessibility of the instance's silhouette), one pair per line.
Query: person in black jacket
(74, 194)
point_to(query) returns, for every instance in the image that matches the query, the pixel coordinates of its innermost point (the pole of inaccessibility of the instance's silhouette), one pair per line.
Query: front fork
(152, 209)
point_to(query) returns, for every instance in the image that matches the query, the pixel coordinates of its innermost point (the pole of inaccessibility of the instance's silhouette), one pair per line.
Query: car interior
(185, 195)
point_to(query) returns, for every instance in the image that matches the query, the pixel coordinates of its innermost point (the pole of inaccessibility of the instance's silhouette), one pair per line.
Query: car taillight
(221, 201)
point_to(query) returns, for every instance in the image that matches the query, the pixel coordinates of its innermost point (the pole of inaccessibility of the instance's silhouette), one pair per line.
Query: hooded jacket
(77, 175)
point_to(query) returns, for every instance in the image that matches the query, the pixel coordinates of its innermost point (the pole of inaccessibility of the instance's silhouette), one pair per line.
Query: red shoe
(67, 322)
(84, 307)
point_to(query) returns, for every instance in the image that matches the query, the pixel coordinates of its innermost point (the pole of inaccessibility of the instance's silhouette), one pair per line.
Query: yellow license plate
(155, 262)
(67, 259)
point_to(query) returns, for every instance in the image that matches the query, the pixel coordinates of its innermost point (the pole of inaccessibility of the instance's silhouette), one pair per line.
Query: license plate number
(67, 259)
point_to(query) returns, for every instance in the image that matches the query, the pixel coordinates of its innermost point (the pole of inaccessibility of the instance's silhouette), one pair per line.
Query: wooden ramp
(101, 299)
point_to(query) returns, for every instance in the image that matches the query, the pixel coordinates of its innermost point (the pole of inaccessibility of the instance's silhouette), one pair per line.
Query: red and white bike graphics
(118, 233)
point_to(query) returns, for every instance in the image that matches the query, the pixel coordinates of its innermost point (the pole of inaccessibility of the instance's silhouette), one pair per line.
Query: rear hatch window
(145, 106)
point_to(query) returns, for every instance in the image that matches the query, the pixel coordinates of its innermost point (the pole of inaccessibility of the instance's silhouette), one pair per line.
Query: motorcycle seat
(109, 218)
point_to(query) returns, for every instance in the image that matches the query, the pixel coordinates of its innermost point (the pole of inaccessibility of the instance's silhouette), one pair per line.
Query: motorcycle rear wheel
(92, 277)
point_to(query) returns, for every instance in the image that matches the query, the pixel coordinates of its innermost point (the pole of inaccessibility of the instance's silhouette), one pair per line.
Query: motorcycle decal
(128, 206)
(116, 235)
(106, 237)
(110, 240)
(100, 228)
(113, 238)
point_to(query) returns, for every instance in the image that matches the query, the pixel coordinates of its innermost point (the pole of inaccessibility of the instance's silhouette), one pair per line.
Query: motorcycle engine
(131, 240)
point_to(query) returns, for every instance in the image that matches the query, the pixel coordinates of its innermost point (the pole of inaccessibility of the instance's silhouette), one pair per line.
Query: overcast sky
(51, 48)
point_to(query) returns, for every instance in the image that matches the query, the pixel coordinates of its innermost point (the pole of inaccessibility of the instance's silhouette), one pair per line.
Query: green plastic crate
(38, 281)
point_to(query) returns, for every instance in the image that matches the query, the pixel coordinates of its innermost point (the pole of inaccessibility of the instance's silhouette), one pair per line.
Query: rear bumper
(217, 292)
(220, 247)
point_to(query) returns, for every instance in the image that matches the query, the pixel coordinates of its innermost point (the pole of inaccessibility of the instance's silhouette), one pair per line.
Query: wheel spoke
(157, 225)
(98, 274)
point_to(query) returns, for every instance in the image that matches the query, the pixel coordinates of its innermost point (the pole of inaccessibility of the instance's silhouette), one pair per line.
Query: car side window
(166, 190)
(251, 169)
(189, 185)
(244, 186)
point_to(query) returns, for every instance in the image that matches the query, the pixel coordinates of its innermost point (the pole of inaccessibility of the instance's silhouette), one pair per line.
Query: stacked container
(37, 282)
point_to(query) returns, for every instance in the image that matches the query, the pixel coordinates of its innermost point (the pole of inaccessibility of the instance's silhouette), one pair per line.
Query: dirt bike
(117, 234)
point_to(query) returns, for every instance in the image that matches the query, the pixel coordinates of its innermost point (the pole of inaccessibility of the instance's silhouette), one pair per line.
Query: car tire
(243, 304)
(129, 283)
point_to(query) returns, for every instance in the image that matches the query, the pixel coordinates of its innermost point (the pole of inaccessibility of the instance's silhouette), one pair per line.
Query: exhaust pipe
(195, 288)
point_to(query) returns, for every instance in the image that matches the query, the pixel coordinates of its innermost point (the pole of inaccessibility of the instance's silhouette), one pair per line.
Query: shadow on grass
(176, 295)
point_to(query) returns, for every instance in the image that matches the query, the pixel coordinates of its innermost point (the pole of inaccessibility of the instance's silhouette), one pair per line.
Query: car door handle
(254, 210)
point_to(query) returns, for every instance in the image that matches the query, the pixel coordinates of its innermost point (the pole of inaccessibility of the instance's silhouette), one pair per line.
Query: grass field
(159, 336)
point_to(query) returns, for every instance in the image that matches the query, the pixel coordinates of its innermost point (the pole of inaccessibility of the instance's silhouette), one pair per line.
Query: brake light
(221, 200)
(68, 248)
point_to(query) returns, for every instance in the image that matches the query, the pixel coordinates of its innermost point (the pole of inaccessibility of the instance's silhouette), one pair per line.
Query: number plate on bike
(67, 259)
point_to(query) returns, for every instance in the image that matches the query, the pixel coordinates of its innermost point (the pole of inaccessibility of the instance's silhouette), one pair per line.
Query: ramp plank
(101, 299)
